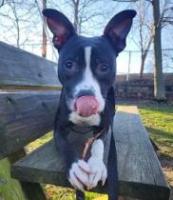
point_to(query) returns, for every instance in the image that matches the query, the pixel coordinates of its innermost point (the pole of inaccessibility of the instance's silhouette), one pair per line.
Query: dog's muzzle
(86, 106)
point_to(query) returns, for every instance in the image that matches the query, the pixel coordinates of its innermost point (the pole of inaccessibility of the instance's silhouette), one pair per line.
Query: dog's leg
(65, 149)
(96, 164)
(77, 170)
(112, 181)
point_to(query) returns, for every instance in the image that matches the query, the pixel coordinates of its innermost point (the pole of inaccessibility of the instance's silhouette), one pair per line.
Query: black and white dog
(86, 69)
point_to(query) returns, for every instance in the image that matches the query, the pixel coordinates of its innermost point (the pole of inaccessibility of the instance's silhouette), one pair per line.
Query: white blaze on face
(88, 82)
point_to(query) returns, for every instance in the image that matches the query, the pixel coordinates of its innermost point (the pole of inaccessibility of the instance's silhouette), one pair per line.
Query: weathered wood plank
(137, 162)
(18, 67)
(44, 165)
(140, 174)
(25, 116)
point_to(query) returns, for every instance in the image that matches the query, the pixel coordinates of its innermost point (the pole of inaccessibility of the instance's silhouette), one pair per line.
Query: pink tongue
(86, 106)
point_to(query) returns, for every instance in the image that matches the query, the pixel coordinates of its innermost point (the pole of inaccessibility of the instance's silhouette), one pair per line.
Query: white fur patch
(88, 81)
(78, 175)
(97, 149)
(96, 164)
(92, 120)
(89, 173)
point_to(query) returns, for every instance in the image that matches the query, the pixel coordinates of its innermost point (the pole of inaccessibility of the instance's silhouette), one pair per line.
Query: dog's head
(87, 66)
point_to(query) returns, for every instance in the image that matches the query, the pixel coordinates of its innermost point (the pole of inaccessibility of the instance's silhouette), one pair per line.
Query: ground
(157, 118)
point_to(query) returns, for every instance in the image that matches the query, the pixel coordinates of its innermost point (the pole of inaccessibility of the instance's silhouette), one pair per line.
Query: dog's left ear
(60, 26)
(117, 29)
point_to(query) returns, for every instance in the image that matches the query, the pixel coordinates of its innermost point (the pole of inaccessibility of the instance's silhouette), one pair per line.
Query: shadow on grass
(164, 108)
(165, 157)
(146, 103)
(162, 134)
(164, 141)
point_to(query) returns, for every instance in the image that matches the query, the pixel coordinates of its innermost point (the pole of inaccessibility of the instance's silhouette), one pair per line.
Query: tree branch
(2, 3)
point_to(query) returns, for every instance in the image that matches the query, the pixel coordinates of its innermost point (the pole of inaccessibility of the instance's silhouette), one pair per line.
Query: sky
(31, 30)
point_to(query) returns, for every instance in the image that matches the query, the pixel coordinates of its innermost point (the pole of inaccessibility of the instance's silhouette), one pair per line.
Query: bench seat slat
(25, 116)
(140, 174)
(138, 160)
(20, 68)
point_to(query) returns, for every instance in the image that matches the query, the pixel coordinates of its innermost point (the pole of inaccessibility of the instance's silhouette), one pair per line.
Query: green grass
(158, 119)
(58, 193)
(10, 189)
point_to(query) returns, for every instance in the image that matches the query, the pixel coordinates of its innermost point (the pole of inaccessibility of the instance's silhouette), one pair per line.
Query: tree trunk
(44, 39)
(144, 54)
(159, 89)
(142, 66)
(76, 15)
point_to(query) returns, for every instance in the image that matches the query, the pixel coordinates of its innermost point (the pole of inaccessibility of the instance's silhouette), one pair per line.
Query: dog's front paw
(98, 172)
(78, 174)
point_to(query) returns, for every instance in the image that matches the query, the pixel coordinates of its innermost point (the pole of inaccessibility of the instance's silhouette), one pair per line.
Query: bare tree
(2, 3)
(146, 32)
(23, 22)
(77, 23)
(167, 13)
(159, 89)
(159, 16)
(19, 22)
(86, 15)
(145, 27)
(16, 22)
(44, 39)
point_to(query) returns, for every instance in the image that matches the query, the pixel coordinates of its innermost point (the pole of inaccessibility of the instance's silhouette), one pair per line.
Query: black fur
(105, 49)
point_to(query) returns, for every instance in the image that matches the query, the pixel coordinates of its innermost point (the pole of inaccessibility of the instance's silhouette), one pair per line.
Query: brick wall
(141, 88)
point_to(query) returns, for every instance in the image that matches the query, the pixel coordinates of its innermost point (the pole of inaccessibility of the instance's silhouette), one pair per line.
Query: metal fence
(128, 62)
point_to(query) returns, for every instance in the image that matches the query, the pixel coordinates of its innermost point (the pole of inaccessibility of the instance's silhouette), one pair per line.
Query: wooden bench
(29, 93)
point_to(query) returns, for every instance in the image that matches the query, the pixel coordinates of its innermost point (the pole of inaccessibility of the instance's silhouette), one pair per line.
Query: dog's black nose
(85, 93)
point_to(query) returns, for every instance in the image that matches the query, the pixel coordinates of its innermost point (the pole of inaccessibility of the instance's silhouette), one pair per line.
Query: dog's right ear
(60, 26)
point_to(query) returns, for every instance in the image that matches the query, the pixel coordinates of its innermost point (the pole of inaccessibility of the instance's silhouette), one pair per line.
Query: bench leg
(33, 191)
(112, 181)
(80, 195)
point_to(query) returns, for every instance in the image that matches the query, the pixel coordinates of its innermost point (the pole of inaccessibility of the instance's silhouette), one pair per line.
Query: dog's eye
(102, 68)
(70, 67)
(69, 64)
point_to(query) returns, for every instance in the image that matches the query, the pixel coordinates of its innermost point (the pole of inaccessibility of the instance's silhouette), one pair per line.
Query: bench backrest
(29, 93)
